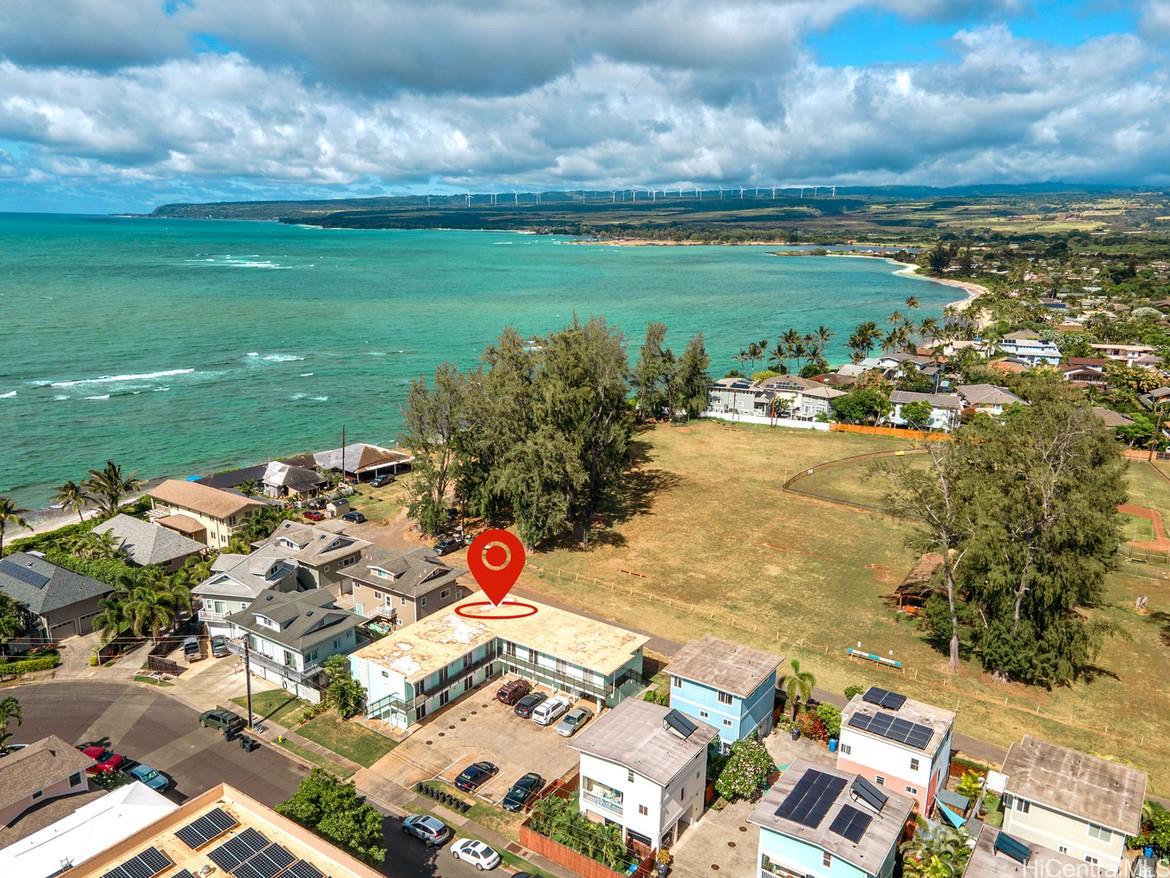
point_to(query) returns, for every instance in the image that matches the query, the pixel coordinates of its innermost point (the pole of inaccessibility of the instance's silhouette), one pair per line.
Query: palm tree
(155, 603)
(109, 487)
(93, 546)
(249, 487)
(741, 356)
(941, 852)
(823, 335)
(15, 619)
(778, 358)
(896, 318)
(798, 686)
(863, 339)
(111, 616)
(754, 353)
(9, 517)
(928, 329)
(911, 301)
(9, 710)
(72, 496)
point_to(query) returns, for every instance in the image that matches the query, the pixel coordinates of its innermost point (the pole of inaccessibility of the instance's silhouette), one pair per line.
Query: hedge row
(27, 666)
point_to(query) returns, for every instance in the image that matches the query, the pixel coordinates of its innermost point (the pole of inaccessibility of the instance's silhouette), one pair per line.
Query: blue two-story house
(822, 823)
(727, 685)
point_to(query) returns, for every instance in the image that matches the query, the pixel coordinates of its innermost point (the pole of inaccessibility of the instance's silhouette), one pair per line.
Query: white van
(549, 711)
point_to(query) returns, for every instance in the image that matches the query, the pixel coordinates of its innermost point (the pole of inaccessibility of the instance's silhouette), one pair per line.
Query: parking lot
(479, 728)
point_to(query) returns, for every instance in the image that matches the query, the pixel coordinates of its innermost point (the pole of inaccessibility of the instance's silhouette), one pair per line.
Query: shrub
(1155, 828)
(850, 691)
(746, 770)
(333, 810)
(831, 717)
(560, 820)
(970, 784)
(30, 665)
(812, 726)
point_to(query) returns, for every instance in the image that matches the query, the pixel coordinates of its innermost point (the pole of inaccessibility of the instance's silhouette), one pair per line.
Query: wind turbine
(613, 195)
(773, 193)
(515, 198)
(469, 199)
(815, 188)
(834, 191)
(802, 188)
(741, 193)
(720, 193)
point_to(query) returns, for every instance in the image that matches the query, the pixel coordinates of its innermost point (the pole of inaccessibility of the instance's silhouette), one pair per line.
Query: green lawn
(1137, 529)
(276, 705)
(497, 819)
(710, 544)
(349, 739)
(312, 758)
(379, 505)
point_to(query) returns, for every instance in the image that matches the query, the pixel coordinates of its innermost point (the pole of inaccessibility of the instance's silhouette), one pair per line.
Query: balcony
(559, 679)
(611, 806)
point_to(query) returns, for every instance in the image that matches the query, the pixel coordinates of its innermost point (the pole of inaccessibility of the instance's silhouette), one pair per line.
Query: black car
(523, 791)
(475, 775)
(528, 703)
(446, 545)
(354, 517)
(379, 481)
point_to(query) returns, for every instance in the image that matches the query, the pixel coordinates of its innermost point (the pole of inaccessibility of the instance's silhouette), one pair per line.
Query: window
(444, 594)
(422, 602)
(630, 776)
(1090, 860)
(826, 859)
(727, 723)
(675, 682)
(1023, 806)
(385, 674)
(643, 810)
(289, 661)
(1063, 849)
(1099, 832)
(37, 794)
(75, 779)
(912, 790)
(703, 714)
(724, 698)
(337, 644)
(404, 600)
(846, 749)
(879, 780)
(913, 764)
(217, 606)
(350, 560)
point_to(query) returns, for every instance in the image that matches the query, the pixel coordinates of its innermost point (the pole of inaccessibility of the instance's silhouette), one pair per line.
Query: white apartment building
(643, 768)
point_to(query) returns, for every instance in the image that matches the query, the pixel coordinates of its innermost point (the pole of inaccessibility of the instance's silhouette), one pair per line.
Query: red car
(105, 761)
(314, 515)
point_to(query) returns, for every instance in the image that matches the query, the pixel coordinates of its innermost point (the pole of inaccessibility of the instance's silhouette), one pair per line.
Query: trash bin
(796, 733)
(832, 745)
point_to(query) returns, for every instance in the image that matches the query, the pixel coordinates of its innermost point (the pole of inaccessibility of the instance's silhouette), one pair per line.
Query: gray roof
(305, 618)
(312, 546)
(936, 400)
(148, 543)
(361, 457)
(987, 394)
(413, 572)
(287, 475)
(987, 862)
(938, 719)
(880, 837)
(721, 664)
(38, 766)
(43, 586)
(634, 734)
(246, 576)
(1106, 793)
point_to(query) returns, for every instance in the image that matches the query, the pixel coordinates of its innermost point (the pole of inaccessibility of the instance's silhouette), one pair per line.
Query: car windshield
(432, 824)
(145, 773)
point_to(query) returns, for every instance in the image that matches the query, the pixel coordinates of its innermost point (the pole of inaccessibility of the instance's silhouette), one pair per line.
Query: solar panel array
(146, 865)
(267, 863)
(186, 873)
(884, 698)
(24, 574)
(680, 723)
(303, 869)
(1013, 848)
(889, 726)
(851, 823)
(237, 850)
(868, 793)
(210, 826)
(811, 798)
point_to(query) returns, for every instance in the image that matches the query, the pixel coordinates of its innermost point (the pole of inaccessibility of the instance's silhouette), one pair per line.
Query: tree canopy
(332, 808)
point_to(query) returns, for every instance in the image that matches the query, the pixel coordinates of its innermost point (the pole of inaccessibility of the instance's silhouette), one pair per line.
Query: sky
(122, 105)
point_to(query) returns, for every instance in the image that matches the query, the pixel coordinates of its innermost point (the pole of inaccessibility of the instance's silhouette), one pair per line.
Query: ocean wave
(61, 397)
(39, 383)
(296, 397)
(306, 374)
(384, 353)
(99, 396)
(8, 395)
(229, 260)
(274, 358)
(118, 379)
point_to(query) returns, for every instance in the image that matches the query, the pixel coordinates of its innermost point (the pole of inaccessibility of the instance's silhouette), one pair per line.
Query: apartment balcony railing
(613, 807)
(559, 678)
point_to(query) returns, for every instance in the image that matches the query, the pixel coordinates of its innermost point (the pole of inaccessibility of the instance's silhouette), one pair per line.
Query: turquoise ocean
(179, 347)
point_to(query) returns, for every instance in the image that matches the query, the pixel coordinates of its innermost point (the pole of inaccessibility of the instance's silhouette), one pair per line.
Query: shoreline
(909, 269)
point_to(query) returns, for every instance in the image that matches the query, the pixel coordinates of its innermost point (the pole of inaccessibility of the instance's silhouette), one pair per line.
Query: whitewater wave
(61, 397)
(296, 397)
(99, 396)
(8, 395)
(306, 374)
(274, 358)
(118, 379)
(228, 260)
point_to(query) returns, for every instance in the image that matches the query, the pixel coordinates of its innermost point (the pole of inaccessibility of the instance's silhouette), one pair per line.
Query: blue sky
(108, 107)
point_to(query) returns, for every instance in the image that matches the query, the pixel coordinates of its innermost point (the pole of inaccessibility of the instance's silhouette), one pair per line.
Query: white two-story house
(1071, 802)
(643, 768)
(944, 409)
(898, 744)
(236, 581)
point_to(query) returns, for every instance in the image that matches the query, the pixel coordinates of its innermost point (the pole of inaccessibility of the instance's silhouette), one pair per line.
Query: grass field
(349, 739)
(276, 705)
(712, 545)
(379, 505)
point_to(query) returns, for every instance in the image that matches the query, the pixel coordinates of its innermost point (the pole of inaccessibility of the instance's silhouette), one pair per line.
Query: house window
(1099, 832)
(912, 790)
(217, 606)
(630, 775)
(75, 779)
(404, 600)
(724, 698)
(288, 659)
(826, 859)
(1090, 860)
(727, 723)
(675, 682)
(703, 714)
(913, 764)
(347, 561)
(385, 674)
(37, 794)
(422, 602)
(643, 810)
(337, 644)
(847, 749)
(1063, 849)
(1023, 806)
(879, 780)
(444, 594)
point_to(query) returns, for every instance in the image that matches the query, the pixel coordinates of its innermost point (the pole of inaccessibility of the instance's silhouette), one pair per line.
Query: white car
(477, 853)
(550, 711)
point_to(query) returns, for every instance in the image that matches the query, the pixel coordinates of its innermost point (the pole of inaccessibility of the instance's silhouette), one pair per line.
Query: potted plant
(663, 859)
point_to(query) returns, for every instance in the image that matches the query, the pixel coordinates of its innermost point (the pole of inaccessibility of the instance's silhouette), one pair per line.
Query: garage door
(86, 623)
(63, 629)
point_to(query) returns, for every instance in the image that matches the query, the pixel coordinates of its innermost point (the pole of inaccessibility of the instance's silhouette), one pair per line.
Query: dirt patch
(1160, 543)
(884, 575)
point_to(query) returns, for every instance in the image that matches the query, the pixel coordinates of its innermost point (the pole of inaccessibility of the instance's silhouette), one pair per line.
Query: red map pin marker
(496, 558)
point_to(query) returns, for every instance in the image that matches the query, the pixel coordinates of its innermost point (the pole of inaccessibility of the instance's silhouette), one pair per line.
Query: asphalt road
(150, 727)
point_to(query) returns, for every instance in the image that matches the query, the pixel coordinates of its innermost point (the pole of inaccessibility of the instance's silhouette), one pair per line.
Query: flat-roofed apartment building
(206, 515)
(424, 666)
(223, 832)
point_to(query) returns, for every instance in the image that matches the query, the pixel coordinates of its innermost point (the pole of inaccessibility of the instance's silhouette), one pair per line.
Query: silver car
(430, 829)
(573, 720)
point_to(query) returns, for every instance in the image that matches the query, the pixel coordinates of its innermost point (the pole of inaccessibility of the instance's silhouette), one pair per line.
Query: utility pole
(248, 678)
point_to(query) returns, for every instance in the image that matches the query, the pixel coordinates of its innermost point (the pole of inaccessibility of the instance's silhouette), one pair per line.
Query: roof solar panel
(889, 726)
(185, 873)
(24, 574)
(874, 695)
(1013, 848)
(237, 849)
(811, 798)
(146, 865)
(868, 793)
(267, 863)
(304, 869)
(680, 723)
(210, 826)
(884, 698)
(851, 823)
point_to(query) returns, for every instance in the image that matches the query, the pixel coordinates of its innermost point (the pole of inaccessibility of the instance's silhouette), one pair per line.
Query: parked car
(152, 777)
(104, 759)
(474, 775)
(221, 719)
(313, 515)
(192, 649)
(528, 703)
(219, 646)
(11, 748)
(379, 481)
(513, 691)
(550, 711)
(523, 791)
(447, 544)
(573, 720)
(430, 829)
(480, 855)
(354, 517)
